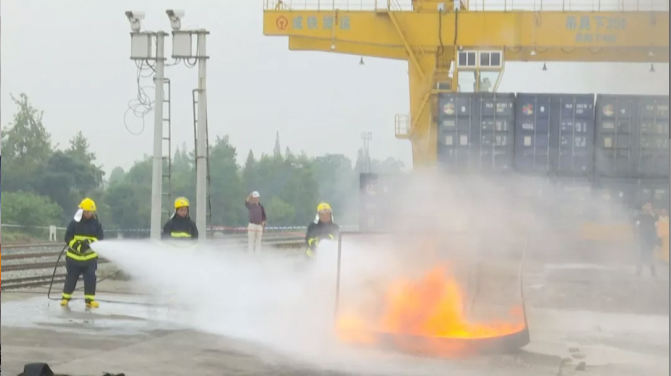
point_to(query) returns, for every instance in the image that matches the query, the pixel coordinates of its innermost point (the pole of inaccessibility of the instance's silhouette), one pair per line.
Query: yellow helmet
(323, 206)
(181, 202)
(88, 205)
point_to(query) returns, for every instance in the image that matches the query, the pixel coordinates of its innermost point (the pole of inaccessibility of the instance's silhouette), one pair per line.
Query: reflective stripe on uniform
(67, 296)
(311, 240)
(84, 257)
(177, 234)
(76, 253)
(82, 237)
(90, 297)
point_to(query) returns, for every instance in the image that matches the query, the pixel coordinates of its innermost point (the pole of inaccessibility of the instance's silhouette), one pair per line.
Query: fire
(432, 307)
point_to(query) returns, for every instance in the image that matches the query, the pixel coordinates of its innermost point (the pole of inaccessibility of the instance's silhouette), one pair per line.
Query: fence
(475, 5)
(13, 233)
(351, 5)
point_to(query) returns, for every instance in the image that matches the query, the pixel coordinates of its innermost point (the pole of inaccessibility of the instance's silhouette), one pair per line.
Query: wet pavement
(605, 321)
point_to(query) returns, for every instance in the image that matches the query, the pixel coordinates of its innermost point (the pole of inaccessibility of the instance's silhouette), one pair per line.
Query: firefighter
(647, 237)
(323, 227)
(663, 234)
(180, 225)
(80, 259)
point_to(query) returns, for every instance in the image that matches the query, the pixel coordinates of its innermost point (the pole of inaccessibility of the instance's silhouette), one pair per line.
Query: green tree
(183, 179)
(117, 175)
(30, 209)
(79, 150)
(67, 179)
(227, 193)
(250, 176)
(338, 185)
(26, 147)
(127, 202)
(280, 211)
(290, 180)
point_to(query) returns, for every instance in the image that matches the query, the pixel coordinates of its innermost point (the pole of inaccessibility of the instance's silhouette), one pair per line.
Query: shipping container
(457, 132)
(476, 132)
(496, 117)
(615, 136)
(653, 137)
(632, 136)
(572, 140)
(532, 133)
(554, 134)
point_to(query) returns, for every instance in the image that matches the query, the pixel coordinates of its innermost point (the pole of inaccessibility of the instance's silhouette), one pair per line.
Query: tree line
(42, 183)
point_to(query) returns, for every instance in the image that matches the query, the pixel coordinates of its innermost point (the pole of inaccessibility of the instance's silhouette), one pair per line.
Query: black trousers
(76, 268)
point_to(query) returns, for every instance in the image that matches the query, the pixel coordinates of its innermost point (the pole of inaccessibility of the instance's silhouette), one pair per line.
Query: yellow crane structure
(441, 39)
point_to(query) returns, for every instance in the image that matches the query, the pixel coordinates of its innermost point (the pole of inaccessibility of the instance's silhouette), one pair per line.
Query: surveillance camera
(175, 13)
(134, 18)
(135, 14)
(175, 16)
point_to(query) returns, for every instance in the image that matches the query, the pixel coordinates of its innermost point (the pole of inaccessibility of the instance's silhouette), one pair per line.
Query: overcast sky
(71, 57)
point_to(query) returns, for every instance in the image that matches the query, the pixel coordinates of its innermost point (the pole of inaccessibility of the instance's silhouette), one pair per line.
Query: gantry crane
(440, 39)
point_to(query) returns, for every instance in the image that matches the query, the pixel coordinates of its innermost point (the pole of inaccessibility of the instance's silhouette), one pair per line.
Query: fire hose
(53, 276)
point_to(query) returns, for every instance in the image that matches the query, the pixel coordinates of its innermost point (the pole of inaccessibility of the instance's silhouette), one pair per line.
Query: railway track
(32, 265)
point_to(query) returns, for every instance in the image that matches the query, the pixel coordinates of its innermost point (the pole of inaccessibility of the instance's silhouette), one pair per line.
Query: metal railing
(476, 5)
(570, 5)
(351, 5)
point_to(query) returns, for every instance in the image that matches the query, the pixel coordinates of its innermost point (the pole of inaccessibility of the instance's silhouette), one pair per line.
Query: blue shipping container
(652, 137)
(456, 132)
(572, 141)
(476, 131)
(615, 131)
(554, 134)
(532, 133)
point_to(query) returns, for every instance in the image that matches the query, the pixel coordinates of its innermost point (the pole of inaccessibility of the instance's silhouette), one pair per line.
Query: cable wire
(142, 104)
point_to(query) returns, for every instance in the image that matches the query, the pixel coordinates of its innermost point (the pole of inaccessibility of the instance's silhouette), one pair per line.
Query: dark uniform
(80, 258)
(318, 231)
(180, 228)
(647, 238)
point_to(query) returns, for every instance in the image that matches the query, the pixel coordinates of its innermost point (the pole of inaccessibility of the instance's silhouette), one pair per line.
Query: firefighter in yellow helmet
(323, 227)
(80, 259)
(180, 225)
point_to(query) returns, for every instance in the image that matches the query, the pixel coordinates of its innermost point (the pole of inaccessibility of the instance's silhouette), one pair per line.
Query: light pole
(182, 48)
(201, 162)
(141, 49)
(367, 137)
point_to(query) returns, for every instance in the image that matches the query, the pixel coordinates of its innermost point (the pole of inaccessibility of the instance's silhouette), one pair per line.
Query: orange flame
(430, 307)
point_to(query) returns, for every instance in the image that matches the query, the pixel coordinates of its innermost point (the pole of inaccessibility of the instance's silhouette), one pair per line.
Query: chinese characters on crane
(591, 29)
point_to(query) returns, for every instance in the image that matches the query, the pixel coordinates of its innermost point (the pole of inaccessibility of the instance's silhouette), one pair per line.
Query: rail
(31, 264)
(350, 5)
(475, 5)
